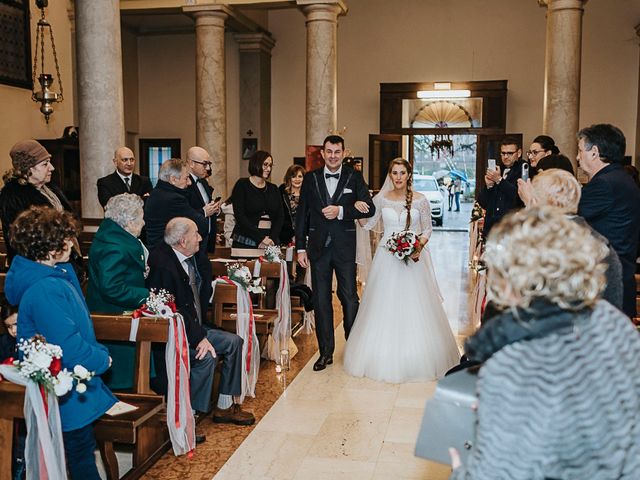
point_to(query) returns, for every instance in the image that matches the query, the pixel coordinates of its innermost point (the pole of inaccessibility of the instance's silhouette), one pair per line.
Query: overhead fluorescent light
(444, 93)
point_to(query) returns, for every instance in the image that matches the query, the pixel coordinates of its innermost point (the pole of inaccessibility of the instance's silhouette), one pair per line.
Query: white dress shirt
(332, 184)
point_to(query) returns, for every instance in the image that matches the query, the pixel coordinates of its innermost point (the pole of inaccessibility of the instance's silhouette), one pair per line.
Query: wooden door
(382, 149)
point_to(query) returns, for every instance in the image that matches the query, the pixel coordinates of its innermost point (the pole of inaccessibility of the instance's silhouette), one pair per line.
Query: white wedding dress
(401, 332)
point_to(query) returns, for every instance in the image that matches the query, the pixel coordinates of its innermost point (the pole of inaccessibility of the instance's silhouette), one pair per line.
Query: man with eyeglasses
(123, 180)
(500, 195)
(201, 193)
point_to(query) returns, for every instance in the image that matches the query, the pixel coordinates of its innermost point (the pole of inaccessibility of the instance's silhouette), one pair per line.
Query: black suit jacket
(196, 201)
(165, 271)
(610, 203)
(311, 223)
(113, 185)
(501, 198)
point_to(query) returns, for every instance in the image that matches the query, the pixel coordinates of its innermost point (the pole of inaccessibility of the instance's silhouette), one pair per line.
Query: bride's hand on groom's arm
(361, 206)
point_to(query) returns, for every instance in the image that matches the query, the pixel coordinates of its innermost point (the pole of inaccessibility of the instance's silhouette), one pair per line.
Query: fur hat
(26, 154)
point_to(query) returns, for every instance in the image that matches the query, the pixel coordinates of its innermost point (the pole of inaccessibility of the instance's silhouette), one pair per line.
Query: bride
(401, 332)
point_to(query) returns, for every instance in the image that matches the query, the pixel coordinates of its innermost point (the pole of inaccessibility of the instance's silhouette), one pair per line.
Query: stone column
(637, 159)
(211, 114)
(321, 109)
(99, 94)
(255, 87)
(562, 73)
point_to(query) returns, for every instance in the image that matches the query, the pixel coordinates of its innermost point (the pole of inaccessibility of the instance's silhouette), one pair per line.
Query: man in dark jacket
(171, 267)
(201, 194)
(170, 199)
(123, 180)
(610, 202)
(500, 195)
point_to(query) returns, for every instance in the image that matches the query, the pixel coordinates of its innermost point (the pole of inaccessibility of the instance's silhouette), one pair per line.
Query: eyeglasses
(508, 154)
(533, 153)
(207, 163)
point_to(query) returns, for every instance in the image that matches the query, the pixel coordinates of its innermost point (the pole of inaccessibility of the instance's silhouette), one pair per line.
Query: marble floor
(328, 425)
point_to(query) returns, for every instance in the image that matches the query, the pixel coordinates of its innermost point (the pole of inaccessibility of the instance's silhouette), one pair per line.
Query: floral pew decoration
(280, 345)
(240, 276)
(41, 372)
(180, 420)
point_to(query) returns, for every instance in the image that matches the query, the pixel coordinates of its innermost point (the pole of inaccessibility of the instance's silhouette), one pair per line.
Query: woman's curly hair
(41, 230)
(539, 253)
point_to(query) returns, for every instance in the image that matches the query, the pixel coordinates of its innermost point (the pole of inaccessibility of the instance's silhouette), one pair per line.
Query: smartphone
(525, 172)
(492, 164)
(217, 199)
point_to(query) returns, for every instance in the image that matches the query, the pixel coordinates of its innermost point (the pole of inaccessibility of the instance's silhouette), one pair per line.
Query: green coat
(116, 284)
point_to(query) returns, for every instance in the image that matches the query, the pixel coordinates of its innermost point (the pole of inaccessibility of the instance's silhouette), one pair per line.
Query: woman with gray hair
(559, 391)
(117, 270)
(560, 189)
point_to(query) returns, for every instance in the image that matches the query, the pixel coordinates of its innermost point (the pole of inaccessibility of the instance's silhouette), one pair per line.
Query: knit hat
(26, 154)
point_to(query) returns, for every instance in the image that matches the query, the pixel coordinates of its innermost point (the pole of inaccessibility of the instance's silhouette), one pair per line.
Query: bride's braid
(408, 197)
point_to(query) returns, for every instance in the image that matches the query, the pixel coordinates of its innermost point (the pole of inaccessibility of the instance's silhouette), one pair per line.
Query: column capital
(215, 13)
(254, 42)
(322, 9)
(563, 4)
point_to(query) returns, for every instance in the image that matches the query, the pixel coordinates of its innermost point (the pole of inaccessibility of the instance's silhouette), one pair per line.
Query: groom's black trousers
(322, 270)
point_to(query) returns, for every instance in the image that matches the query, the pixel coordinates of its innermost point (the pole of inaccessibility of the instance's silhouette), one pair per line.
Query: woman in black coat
(290, 191)
(26, 185)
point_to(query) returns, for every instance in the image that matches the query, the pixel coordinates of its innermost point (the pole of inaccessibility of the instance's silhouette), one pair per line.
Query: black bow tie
(332, 175)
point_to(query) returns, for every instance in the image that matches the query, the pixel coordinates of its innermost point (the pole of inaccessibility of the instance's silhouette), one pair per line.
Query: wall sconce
(45, 96)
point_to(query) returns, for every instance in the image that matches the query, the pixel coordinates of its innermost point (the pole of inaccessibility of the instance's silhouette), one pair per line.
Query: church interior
(235, 76)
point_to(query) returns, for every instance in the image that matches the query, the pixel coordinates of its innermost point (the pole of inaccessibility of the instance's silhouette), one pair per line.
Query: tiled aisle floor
(328, 425)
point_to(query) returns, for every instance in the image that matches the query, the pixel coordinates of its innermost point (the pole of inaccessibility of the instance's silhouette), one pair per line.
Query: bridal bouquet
(242, 275)
(42, 363)
(403, 244)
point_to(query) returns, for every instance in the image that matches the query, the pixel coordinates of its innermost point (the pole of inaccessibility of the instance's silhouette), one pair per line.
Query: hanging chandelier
(45, 96)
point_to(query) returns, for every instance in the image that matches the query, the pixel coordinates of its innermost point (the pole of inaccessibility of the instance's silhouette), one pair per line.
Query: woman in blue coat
(51, 304)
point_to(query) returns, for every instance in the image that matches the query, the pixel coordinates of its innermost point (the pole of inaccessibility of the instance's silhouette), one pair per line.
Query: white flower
(165, 311)
(81, 372)
(63, 383)
(81, 387)
(40, 359)
(399, 255)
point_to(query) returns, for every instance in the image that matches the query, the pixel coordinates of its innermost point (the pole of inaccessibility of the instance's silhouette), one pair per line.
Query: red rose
(55, 366)
(172, 306)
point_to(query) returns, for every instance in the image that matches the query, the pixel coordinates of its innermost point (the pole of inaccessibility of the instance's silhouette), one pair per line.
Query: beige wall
(440, 40)
(21, 118)
(167, 95)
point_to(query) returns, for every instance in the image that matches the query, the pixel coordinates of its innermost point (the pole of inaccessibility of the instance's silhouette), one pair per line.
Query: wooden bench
(225, 306)
(144, 428)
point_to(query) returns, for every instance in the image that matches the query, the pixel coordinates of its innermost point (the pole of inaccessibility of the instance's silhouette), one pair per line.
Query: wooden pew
(225, 305)
(144, 428)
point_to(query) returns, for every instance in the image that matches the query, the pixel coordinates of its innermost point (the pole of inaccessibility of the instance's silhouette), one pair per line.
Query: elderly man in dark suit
(201, 193)
(326, 237)
(500, 195)
(610, 202)
(123, 180)
(172, 267)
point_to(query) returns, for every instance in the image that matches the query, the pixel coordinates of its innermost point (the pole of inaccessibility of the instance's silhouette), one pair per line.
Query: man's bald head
(199, 159)
(124, 161)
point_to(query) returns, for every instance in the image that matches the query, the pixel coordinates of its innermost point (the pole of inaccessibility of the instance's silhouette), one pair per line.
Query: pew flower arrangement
(159, 303)
(242, 275)
(272, 254)
(403, 244)
(42, 363)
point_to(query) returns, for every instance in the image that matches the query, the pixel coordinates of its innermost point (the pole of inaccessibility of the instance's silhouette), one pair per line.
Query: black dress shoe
(322, 362)
(200, 439)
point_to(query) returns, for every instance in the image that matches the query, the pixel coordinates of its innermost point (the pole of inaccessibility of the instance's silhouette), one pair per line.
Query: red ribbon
(250, 339)
(181, 357)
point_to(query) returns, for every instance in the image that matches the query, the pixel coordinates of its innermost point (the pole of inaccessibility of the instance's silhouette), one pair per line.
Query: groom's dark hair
(335, 139)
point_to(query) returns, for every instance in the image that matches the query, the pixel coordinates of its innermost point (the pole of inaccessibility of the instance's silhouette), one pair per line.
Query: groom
(326, 239)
